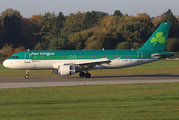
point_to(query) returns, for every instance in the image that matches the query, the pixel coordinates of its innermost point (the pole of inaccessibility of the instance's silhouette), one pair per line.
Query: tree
(157, 20)
(35, 29)
(58, 44)
(48, 26)
(95, 45)
(174, 27)
(8, 12)
(106, 41)
(134, 31)
(136, 45)
(19, 49)
(7, 50)
(27, 33)
(59, 24)
(124, 45)
(72, 23)
(143, 17)
(172, 45)
(13, 29)
(86, 21)
(41, 46)
(90, 20)
(93, 18)
(117, 13)
(1, 34)
(168, 12)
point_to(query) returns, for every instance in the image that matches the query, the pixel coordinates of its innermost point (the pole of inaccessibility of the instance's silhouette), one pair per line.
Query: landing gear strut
(26, 75)
(87, 75)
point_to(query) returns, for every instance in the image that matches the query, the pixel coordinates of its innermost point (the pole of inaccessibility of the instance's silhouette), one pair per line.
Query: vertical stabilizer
(158, 39)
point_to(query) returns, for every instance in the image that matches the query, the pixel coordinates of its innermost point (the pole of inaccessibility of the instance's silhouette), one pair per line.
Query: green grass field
(105, 102)
(158, 67)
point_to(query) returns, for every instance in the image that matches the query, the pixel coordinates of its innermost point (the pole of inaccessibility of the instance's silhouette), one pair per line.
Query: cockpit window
(14, 57)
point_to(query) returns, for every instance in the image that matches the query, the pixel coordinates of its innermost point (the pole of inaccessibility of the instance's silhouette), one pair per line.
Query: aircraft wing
(91, 63)
(85, 63)
(98, 61)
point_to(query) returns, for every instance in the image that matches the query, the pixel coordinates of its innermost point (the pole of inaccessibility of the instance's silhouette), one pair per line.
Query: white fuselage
(53, 64)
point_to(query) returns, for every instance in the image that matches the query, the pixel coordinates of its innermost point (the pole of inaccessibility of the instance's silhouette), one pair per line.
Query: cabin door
(139, 56)
(27, 58)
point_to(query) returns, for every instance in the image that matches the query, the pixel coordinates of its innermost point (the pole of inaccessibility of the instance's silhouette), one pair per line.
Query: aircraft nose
(5, 63)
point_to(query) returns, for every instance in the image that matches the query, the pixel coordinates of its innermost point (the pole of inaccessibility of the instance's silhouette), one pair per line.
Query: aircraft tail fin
(158, 39)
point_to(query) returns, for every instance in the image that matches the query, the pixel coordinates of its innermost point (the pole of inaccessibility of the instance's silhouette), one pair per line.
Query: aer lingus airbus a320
(69, 62)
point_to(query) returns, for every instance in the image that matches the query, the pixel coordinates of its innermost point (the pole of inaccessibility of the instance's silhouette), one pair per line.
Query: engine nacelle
(66, 70)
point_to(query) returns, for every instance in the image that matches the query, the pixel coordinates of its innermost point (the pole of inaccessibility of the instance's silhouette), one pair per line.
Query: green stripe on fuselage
(86, 54)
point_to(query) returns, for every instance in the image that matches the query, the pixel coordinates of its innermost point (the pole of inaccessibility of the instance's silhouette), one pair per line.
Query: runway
(20, 82)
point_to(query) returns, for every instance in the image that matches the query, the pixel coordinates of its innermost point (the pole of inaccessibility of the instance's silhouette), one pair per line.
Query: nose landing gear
(27, 76)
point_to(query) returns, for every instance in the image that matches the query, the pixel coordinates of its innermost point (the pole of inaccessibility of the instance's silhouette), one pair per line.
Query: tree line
(77, 31)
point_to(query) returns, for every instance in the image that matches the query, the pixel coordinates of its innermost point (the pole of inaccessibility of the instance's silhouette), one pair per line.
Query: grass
(128, 101)
(158, 67)
(105, 102)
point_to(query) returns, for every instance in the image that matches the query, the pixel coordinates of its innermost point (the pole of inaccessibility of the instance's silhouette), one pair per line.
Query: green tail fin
(158, 39)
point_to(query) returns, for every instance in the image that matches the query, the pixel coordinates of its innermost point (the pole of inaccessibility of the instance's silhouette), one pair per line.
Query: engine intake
(66, 70)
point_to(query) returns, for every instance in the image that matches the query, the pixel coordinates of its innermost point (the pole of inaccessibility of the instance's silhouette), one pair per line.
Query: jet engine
(66, 70)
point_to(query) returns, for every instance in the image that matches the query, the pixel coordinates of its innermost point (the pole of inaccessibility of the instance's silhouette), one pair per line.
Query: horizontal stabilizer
(156, 55)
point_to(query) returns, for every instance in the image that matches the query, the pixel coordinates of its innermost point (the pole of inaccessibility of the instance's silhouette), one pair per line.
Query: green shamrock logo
(159, 38)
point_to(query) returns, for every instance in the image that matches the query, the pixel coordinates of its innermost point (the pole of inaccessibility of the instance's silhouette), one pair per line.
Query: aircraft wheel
(88, 75)
(82, 74)
(26, 76)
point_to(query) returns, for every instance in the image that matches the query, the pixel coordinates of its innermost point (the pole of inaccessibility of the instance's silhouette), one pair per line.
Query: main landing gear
(26, 75)
(87, 75)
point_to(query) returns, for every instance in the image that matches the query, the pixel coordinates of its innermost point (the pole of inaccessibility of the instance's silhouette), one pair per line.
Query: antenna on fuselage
(28, 49)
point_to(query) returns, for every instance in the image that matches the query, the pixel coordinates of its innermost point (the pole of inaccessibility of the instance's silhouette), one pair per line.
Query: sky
(28, 8)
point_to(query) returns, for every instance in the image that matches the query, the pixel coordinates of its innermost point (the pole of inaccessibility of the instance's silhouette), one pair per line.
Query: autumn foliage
(77, 31)
(7, 51)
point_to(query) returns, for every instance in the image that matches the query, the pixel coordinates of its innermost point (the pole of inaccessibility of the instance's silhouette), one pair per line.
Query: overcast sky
(153, 8)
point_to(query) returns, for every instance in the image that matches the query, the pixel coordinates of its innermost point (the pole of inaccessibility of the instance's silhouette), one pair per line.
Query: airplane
(69, 62)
